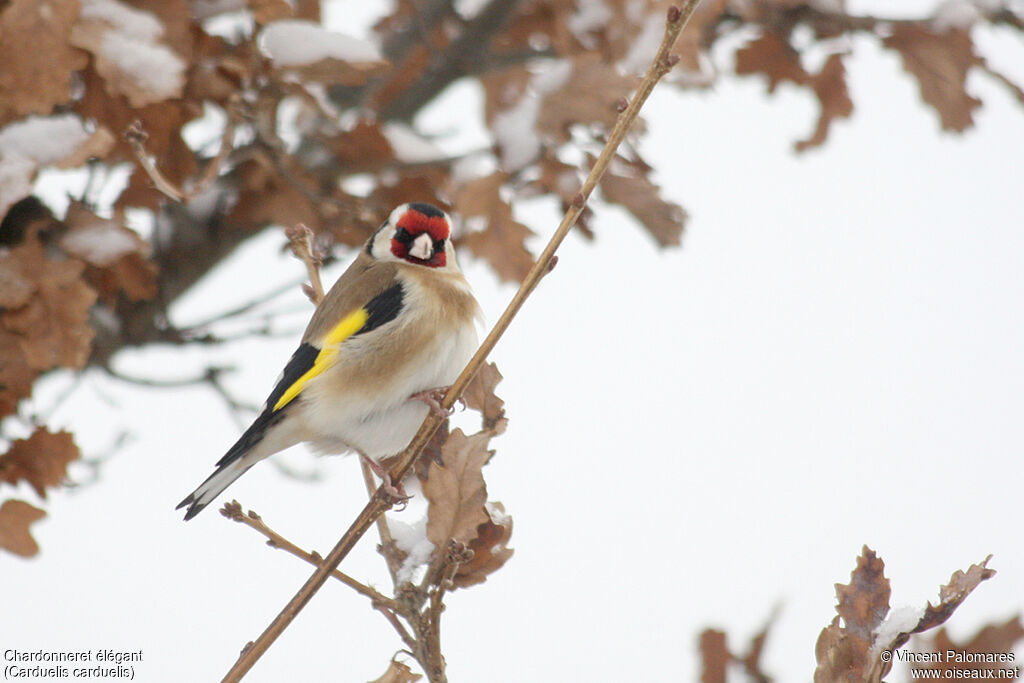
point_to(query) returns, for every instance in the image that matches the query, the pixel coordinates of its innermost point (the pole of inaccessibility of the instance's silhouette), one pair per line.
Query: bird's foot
(396, 493)
(433, 397)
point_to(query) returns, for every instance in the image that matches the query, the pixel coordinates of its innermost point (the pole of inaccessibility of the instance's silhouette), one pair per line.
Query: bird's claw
(433, 398)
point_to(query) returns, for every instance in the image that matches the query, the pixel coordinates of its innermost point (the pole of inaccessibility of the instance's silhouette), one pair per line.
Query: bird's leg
(432, 397)
(396, 494)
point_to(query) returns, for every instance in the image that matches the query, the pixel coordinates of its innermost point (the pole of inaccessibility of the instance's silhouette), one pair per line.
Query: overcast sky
(696, 435)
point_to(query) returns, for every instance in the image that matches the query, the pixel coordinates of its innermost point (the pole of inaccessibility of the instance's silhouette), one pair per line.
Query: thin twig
(382, 603)
(300, 239)
(663, 62)
(233, 511)
(387, 541)
(136, 137)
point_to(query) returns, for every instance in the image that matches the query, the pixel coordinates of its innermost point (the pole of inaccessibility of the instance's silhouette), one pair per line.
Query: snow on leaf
(41, 460)
(15, 518)
(30, 84)
(456, 491)
(43, 139)
(501, 241)
(129, 52)
(320, 54)
(117, 257)
(630, 186)
(479, 396)
(489, 546)
(939, 62)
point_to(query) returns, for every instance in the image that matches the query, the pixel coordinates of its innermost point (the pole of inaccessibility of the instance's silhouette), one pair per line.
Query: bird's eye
(403, 236)
(438, 245)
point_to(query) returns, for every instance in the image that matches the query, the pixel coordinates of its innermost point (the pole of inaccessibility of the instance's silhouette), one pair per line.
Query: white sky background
(697, 435)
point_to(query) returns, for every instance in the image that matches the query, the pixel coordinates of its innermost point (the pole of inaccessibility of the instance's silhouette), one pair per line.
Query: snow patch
(294, 42)
(100, 244)
(152, 66)
(515, 132)
(900, 620)
(953, 14)
(128, 20)
(409, 145)
(515, 129)
(590, 16)
(15, 180)
(641, 52)
(43, 139)
(412, 540)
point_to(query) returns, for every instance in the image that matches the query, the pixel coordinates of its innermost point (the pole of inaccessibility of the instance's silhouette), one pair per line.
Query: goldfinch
(397, 325)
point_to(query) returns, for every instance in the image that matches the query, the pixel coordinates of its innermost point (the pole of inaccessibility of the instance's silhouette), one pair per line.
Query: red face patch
(411, 225)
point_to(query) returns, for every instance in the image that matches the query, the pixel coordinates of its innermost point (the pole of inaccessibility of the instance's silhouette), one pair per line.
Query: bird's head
(415, 233)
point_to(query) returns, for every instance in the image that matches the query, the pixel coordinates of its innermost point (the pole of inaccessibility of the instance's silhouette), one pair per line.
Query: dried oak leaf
(629, 185)
(960, 585)
(833, 97)
(843, 652)
(455, 491)
(864, 602)
(479, 396)
(41, 460)
(771, 55)
(30, 84)
(117, 257)
(53, 325)
(362, 149)
(489, 546)
(951, 595)
(16, 377)
(939, 62)
(589, 96)
(265, 197)
(398, 673)
(15, 518)
(714, 656)
(500, 240)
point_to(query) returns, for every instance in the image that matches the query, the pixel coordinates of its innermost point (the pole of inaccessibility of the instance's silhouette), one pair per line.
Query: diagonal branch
(663, 62)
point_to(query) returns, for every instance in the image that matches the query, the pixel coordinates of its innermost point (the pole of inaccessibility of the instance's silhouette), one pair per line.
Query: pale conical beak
(422, 247)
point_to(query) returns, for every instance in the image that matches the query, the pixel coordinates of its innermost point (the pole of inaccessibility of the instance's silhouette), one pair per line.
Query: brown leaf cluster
(41, 461)
(938, 56)
(848, 649)
(458, 509)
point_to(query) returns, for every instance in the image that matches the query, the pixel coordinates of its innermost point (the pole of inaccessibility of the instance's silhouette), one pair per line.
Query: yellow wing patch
(349, 325)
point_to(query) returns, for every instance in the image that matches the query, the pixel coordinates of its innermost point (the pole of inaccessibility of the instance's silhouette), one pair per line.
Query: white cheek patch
(422, 247)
